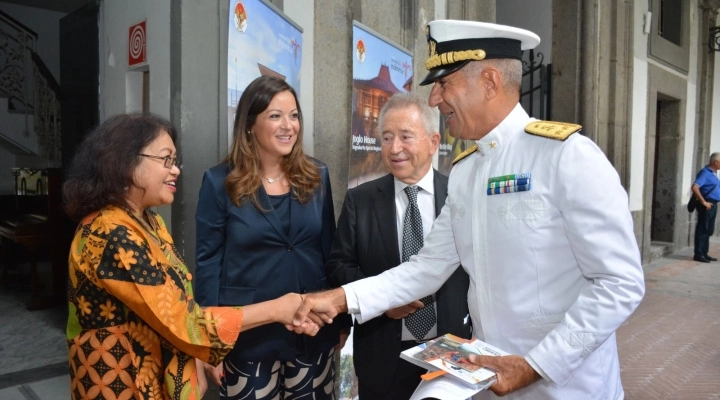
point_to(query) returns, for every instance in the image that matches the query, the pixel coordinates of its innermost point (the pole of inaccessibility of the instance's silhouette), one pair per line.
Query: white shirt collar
(503, 134)
(426, 183)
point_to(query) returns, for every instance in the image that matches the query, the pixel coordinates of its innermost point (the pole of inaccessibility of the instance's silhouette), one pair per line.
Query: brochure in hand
(449, 353)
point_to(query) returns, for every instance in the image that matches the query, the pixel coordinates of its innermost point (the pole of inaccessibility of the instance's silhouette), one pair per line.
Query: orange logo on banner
(136, 45)
(360, 50)
(240, 17)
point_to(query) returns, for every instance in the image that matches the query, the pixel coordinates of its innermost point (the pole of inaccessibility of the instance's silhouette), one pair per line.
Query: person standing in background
(707, 191)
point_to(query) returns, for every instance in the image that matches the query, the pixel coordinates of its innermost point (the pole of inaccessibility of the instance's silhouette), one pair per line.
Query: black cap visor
(439, 72)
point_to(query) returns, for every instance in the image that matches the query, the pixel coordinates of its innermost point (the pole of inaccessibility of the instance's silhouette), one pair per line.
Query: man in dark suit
(373, 236)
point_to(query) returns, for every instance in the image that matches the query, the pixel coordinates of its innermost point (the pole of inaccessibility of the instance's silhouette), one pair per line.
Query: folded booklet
(449, 353)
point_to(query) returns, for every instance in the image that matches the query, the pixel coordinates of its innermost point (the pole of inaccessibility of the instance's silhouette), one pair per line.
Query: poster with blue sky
(381, 68)
(261, 41)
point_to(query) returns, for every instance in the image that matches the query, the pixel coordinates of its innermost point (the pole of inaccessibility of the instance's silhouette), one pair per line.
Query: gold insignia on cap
(464, 154)
(451, 57)
(431, 42)
(552, 129)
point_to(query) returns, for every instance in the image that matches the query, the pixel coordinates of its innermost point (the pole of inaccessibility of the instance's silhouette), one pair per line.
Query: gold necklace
(271, 180)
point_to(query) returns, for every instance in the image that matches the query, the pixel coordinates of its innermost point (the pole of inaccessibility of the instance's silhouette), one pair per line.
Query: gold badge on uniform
(552, 129)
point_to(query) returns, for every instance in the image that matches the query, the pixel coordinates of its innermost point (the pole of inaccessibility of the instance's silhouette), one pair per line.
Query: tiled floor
(670, 346)
(669, 349)
(56, 388)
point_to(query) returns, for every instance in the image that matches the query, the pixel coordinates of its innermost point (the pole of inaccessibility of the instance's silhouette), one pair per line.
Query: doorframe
(665, 85)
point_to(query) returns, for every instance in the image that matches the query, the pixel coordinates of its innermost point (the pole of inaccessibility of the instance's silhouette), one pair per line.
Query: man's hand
(201, 378)
(513, 372)
(214, 372)
(344, 333)
(403, 311)
(707, 205)
(324, 306)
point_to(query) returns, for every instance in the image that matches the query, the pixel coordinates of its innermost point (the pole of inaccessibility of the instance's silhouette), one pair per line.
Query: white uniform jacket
(554, 270)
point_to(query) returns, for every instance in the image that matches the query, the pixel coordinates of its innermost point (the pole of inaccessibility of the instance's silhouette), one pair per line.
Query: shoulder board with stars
(552, 129)
(464, 154)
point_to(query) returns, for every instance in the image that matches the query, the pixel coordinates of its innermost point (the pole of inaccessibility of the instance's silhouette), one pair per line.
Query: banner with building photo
(381, 68)
(448, 149)
(261, 41)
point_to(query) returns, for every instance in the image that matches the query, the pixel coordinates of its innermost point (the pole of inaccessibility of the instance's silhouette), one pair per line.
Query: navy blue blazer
(244, 256)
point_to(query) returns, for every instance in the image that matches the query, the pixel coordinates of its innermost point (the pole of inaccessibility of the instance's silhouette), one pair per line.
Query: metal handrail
(30, 87)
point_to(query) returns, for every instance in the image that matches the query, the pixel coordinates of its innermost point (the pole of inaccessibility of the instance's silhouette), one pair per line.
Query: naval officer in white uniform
(538, 218)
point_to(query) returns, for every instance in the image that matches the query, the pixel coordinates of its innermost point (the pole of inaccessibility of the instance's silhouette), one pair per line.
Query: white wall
(640, 107)
(639, 100)
(47, 25)
(119, 85)
(302, 12)
(688, 172)
(120, 88)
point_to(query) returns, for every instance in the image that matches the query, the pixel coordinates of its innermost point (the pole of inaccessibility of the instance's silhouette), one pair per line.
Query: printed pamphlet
(450, 353)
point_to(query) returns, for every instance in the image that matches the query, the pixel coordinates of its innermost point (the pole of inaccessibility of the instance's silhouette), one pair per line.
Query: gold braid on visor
(452, 57)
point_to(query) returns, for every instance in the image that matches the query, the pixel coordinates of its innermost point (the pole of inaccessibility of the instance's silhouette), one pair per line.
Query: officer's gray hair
(509, 69)
(713, 157)
(430, 115)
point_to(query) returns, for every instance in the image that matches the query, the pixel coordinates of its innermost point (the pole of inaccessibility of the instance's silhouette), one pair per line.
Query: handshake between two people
(315, 311)
(300, 313)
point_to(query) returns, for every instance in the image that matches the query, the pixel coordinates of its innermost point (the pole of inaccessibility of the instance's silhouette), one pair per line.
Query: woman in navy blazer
(265, 224)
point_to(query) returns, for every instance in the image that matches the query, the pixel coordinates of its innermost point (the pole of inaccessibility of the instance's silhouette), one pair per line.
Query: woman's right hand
(280, 310)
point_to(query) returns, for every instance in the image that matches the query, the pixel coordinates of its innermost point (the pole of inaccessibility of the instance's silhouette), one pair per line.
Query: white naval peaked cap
(452, 44)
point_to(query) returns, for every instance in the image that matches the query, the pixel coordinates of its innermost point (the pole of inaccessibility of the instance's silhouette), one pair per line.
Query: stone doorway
(665, 218)
(666, 144)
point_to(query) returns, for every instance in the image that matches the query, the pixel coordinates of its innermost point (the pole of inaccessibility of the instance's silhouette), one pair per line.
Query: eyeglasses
(168, 161)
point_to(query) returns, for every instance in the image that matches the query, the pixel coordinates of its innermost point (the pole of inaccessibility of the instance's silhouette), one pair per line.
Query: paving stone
(670, 347)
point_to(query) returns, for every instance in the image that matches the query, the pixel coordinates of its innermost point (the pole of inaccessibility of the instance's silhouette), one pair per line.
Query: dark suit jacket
(365, 245)
(244, 257)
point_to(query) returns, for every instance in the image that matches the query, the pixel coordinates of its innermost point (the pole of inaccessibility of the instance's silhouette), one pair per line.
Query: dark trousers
(406, 379)
(704, 228)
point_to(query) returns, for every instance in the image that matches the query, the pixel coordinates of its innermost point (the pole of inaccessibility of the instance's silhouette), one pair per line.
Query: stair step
(660, 250)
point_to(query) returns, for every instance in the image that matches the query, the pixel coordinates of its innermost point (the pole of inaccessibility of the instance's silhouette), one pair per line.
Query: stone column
(402, 22)
(705, 76)
(707, 14)
(196, 53)
(332, 90)
(472, 10)
(567, 52)
(592, 72)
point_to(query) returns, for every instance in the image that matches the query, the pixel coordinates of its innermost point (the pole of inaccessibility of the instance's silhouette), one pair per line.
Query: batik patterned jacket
(134, 328)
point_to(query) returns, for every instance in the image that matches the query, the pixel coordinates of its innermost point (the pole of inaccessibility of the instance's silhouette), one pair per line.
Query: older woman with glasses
(134, 329)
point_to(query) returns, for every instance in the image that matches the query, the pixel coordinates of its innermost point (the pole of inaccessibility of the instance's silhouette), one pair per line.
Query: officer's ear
(492, 81)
